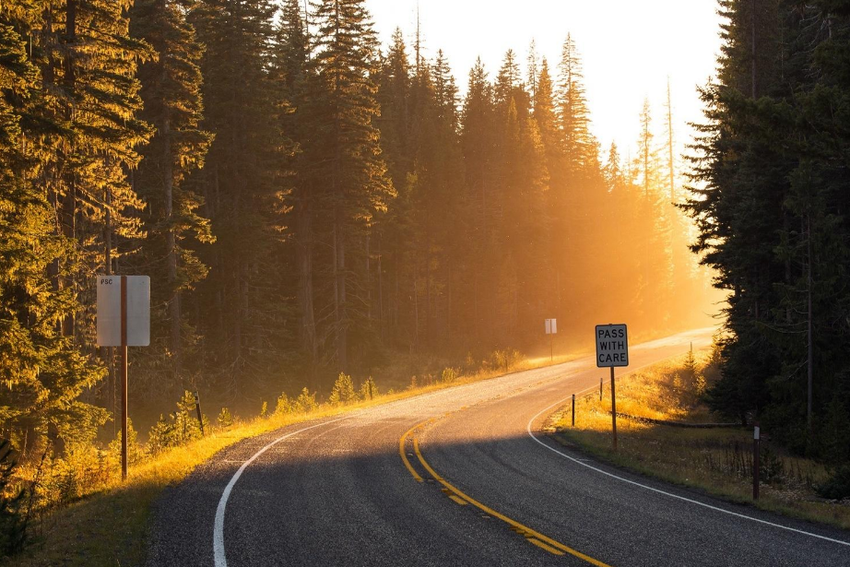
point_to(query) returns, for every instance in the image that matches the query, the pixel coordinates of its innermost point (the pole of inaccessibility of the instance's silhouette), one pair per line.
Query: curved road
(463, 477)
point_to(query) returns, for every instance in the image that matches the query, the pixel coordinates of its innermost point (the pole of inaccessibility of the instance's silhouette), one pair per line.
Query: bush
(13, 521)
(306, 402)
(343, 391)
(505, 359)
(284, 405)
(368, 390)
(449, 375)
(180, 427)
(225, 419)
(838, 485)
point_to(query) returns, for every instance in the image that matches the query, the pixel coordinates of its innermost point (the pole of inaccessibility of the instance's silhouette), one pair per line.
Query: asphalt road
(463, 477)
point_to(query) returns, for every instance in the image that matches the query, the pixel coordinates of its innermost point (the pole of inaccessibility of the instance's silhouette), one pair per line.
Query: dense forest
(771, 195)
(307, 201)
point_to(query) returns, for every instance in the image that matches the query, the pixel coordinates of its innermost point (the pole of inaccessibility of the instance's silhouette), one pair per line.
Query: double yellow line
(532, 536)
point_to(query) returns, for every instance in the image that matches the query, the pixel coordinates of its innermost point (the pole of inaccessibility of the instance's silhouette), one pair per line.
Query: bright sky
(628, 49)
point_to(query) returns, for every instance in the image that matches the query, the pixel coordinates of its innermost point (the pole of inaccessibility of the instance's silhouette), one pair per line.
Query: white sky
(628, 49)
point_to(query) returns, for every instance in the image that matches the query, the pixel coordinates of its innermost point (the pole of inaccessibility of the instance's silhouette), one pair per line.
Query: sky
(628, 48)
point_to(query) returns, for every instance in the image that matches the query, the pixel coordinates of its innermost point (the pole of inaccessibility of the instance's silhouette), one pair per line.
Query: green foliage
(449, 375)
(135, 451)
(505, 359)
(368, 389)
(179, 428)
(838, 486)
(13, 521)
(224, 419)
(306, 402)
(343, 391)
(769, 200)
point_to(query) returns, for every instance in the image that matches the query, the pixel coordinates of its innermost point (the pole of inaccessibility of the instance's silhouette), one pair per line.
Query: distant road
(464, 477)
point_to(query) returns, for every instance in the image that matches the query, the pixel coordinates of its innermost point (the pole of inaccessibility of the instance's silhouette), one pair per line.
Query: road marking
(540, 544)
(218, 529)
(657, 490)
(403, 454)
(531, 535)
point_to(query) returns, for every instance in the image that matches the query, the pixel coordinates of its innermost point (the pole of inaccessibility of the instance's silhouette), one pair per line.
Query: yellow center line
(531, 535)
(401, 452)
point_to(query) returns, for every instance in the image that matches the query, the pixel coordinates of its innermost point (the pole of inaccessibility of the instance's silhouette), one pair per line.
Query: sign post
(123, 320)
(612, 350)
(551, 329)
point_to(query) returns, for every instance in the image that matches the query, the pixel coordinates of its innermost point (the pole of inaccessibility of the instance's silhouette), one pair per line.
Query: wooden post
(198, 410)
(600, 388)
(551, 350)
(756, 466)
(613, 409)
(124, 364)
(574, 410)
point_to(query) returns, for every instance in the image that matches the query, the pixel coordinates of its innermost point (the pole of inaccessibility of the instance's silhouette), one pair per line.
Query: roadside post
(600, 388)
(551, 329)
(123, 320)
(574, 410)
(756, 465)
(612, 350)
(198, 410)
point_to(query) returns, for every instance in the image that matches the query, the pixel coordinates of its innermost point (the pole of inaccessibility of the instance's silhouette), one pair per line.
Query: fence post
(756, 467)
(198, 409)
(574, 410)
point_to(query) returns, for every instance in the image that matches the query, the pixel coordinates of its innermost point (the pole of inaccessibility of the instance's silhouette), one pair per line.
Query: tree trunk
(304, 261)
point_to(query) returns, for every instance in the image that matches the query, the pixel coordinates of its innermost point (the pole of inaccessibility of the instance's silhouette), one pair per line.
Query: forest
(770, 197)
(306, 202)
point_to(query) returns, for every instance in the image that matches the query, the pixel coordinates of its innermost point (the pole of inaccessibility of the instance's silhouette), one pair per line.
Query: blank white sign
(551, 326)
(109, 310)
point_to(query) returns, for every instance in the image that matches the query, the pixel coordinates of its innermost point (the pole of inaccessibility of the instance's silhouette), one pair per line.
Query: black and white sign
(551, 326)
(612, 346)
(109, 310)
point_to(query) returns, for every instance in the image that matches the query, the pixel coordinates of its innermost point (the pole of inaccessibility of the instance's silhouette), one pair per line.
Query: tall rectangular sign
(109, 310)
(612, 346)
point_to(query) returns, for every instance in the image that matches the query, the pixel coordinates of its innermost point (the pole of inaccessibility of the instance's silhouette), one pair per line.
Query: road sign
(109, 310)
(612, 346)
(123, 320)
(551, 326)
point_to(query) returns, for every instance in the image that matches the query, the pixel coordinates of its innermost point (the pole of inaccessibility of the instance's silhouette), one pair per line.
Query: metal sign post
(123, 320)
(612, 350)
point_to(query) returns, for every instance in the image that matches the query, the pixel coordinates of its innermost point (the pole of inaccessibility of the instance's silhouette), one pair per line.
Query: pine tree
(352, 175)
(44, 373)
(171, 91)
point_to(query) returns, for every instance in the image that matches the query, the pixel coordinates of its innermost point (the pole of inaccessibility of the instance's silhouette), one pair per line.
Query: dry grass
(109, 525)
(718, 461)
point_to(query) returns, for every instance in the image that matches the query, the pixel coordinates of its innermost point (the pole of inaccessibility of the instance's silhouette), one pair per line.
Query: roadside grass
(717, 461)
(108, 525)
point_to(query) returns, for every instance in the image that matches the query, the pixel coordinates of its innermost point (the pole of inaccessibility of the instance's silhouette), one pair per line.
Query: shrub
(13, 521)
(505, 359)
(306, 402)
(285, 405)
(264, 410)
(343, 390)
(368, 390)
(225, 419)
(449, 375)
(838, 485)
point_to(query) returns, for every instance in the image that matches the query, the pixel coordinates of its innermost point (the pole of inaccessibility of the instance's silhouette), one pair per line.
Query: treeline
(771, 198)
(304, 201)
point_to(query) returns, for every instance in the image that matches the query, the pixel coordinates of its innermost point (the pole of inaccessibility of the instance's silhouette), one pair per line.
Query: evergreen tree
(344, 160)
(171, 91)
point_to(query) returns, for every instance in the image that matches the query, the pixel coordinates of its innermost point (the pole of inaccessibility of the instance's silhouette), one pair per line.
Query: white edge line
(218, 530)
(659, 491)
